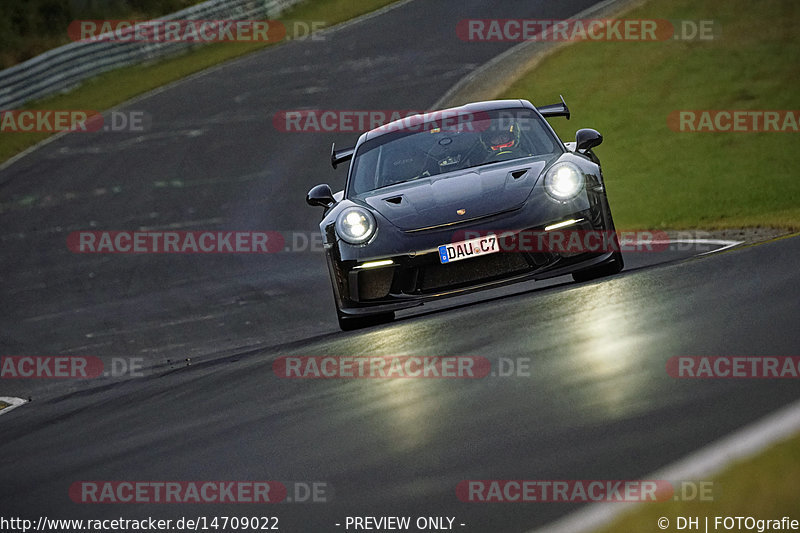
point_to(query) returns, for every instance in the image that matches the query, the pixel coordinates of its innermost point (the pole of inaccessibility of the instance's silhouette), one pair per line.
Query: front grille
(468, 271)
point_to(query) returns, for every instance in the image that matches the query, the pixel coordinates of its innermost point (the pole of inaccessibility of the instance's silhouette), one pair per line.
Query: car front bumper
(408, 278)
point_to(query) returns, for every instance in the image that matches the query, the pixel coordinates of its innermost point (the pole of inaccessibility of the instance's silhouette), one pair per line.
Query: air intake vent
(517, 174)
(394, 200)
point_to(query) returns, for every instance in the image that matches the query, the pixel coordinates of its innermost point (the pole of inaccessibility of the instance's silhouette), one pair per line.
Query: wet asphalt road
(597, 404)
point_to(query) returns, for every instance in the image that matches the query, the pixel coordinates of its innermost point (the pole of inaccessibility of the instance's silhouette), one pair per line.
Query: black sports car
(463, 199)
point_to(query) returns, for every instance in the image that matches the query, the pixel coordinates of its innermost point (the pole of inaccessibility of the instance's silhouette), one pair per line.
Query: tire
(615, 264)
(606, 269)
(348, 323)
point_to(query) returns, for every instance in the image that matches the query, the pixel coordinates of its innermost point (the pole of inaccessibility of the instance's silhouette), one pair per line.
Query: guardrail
(62, 68)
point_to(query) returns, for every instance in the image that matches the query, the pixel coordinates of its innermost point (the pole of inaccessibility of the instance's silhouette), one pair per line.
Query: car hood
(440, 200)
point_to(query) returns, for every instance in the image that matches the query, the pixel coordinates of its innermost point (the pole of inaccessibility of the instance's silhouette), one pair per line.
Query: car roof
(475, 107)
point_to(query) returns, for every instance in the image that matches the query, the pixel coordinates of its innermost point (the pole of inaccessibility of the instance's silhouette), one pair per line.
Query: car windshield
(436, 144)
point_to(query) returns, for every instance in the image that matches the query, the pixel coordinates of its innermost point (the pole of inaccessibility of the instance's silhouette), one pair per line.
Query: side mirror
(321, 195)
(587, 138)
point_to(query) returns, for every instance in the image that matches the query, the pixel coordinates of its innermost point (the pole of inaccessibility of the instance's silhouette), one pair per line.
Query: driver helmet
(502, 138)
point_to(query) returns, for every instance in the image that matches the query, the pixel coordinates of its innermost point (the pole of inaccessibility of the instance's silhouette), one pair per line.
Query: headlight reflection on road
(401, 406)
(609, 354)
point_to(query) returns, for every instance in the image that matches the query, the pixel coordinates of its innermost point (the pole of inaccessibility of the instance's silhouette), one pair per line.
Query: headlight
(355, 225)
(563, 181)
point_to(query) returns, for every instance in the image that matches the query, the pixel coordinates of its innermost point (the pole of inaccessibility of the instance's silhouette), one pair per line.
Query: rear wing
(340, 156)
(555, 110)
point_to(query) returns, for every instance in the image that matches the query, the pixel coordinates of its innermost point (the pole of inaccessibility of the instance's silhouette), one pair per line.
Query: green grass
(112, 88)
(30, 27)
(659, 178)
(764, 487)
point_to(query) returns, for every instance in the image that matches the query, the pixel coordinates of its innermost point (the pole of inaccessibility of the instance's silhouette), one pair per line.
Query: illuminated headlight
(563, 181)
(355, 225)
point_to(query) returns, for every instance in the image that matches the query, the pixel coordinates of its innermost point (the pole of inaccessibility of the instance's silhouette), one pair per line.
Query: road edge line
(12, 402)
(497, 74)
(711, 459)
(208, 70)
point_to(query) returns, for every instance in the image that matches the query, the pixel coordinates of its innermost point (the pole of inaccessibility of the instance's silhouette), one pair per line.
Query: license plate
(466, 249)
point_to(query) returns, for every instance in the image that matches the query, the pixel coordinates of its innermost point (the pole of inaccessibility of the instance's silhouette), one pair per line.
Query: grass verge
(660, 178)
(117, 86)
(32, 27)
(764, 487)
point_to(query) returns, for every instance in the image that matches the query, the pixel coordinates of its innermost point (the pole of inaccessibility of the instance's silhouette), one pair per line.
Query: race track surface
(596, 403)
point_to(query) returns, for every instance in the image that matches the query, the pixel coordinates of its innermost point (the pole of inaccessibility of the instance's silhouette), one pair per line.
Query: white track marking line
(362, 18)
(703, 463)
(13, 403)
(721, 242)
(551, 46)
